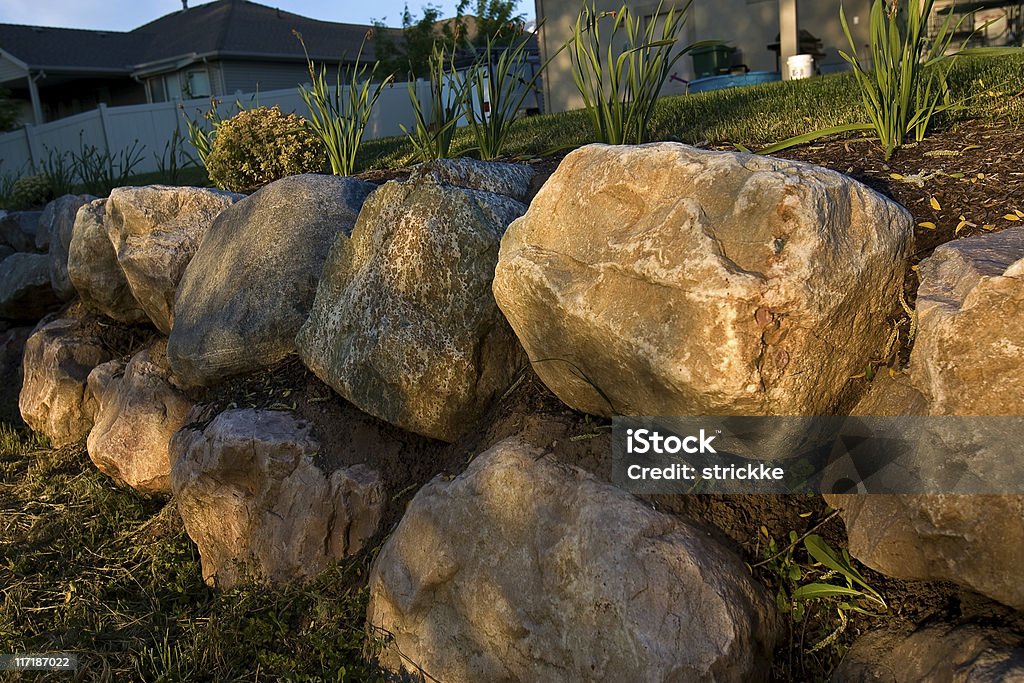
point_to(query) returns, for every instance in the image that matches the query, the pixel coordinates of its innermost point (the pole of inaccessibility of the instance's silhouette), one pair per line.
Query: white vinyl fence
(151, 126)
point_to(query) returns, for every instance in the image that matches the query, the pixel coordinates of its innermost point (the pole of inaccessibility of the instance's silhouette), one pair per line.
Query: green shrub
(29, 191)
(261, 145)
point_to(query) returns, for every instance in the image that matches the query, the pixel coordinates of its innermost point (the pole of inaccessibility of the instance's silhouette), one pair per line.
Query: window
(199, 83)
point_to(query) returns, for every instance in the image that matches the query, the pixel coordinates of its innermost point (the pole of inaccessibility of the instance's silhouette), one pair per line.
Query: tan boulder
(93, 268)
(139, 411)
(666, 280)
(968, 356)
(155, 231)
(969, 653)
(257, 503)
(976, 541)
(58, 359)
(525, 569)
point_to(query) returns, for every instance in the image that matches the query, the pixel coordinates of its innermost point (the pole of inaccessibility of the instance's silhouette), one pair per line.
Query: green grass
(89, 568)
(751, 116)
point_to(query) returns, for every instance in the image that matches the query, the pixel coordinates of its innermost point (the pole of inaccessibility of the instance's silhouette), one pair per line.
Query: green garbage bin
(712, 60)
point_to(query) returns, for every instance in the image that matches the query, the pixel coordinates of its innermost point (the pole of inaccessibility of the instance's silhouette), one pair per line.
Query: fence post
(105, 125)
(34, 154)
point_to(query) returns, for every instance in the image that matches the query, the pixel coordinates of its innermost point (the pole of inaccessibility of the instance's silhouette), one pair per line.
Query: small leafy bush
(261, 145)
(29, 191)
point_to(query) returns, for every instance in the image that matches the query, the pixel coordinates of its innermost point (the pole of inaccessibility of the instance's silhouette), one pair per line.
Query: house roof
(243, 28)
(224, 28)
(71, 49)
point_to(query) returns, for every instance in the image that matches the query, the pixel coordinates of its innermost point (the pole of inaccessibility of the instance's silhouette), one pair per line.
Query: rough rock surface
(951, 654)
(58, 221)
(974, 541)
(255, 501)
(250, 286)
(666, 280)
(58, 359)
(155, 231)
(511, 180)
(25, 290)
(525, 569)
(139, 411)
(18, 229)
(891, 397)
(968, 356)
(404, 324)
(5, 251)
(93, 268)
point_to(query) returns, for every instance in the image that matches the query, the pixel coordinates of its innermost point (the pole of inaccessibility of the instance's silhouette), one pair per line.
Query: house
(754, 28)
(215, 49)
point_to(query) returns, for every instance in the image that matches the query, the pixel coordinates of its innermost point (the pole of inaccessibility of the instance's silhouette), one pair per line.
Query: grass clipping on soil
(102, 572)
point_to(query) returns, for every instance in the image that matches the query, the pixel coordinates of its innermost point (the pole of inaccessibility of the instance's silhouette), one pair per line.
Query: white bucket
(800, 66)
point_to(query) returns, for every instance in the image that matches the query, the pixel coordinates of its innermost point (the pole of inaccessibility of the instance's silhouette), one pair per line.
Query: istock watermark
(911, 455)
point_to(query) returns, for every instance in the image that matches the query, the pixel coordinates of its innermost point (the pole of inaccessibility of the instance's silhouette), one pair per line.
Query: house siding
(264, 76)
(749, 25)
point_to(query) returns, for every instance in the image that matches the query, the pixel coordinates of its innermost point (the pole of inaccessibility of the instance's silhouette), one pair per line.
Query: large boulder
(25, 289)
(155, 231)
(139, 410)
(250, 286)
(404, 324)
(93, 268)
(18, 229)
(54, 400)
(952, 654)
(968, 356)
(667, 280)
(525, 569)
(974, 541)
(58, 222)
(255, 501)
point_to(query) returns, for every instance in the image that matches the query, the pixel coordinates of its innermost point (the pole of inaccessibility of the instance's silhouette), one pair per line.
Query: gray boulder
(947, 653)
(525, 569)
(54, 400)
(139, 410)
(404, 324)
(250, 286)
(667, 280)
(18, 229)
(255, 501)
(511, 180)
(58, 222)
(155, 231)
(25, 289)
(93, 268)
